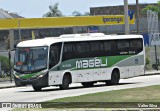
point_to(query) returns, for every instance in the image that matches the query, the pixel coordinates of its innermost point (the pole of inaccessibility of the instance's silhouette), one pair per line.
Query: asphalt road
(27, 94)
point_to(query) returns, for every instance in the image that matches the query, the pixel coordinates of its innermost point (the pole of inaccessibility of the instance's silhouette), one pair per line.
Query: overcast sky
(36, 8)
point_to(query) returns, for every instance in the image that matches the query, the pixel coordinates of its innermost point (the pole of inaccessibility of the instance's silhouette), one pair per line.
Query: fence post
(9, 55)
(156, 58)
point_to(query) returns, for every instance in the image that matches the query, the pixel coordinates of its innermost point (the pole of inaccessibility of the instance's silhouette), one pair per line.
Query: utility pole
(126, 21)
(137, 16)
(19, 29)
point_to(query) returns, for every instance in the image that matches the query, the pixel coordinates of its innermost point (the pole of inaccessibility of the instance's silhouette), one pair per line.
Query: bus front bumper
(41, 81)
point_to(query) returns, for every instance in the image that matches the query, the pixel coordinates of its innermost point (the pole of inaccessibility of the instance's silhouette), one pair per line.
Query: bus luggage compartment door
(85, 75)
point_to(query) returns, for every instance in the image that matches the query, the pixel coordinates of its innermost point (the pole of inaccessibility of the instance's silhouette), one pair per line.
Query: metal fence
(154, 38)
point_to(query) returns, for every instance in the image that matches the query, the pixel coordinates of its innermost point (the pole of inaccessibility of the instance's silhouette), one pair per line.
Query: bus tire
(36, 88)
(115, 77)
(87, 84)
(65, 82)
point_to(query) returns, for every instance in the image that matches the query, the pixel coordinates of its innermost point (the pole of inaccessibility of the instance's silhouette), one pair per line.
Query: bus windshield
(31, 59)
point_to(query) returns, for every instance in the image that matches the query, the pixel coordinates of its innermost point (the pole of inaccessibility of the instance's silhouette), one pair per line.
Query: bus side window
(136, 45)
(96, 48)
(54, 55)
(68, 51)
(110, 48)
(123, 47)
(83, 49)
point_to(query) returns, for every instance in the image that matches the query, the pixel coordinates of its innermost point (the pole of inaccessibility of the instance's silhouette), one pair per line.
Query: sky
(36, 8)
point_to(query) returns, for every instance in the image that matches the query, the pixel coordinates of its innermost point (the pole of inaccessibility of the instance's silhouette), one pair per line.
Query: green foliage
(53, 11)
(86, 14)
(7, 42)
(77, 13)
(5, 64)
(147, 61)
(154, 8)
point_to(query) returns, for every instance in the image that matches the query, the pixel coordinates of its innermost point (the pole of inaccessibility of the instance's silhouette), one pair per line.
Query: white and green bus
(78, 58)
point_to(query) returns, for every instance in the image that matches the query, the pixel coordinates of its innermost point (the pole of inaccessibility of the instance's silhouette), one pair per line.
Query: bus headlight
(44, 73)
(41, 76)
(17, 76)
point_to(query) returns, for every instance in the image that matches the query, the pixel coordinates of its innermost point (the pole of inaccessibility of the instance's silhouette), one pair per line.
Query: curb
(7, 84)
(151, 73)
(7, 87)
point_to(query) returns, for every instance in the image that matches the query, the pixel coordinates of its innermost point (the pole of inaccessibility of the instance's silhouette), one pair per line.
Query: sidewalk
(8, 84)
(152, 72)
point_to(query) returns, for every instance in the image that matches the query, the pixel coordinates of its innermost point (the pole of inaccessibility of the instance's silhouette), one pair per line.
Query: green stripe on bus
(71, 64)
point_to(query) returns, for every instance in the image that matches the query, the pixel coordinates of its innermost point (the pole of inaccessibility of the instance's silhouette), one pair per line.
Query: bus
(78, 58)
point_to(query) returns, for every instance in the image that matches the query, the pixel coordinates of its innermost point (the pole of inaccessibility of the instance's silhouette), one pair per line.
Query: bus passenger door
(54, 58)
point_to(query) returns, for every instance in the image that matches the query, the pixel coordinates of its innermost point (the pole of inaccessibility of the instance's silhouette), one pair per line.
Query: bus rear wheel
(114, 78)
(87, 84)
(36, 88)
(65, 82)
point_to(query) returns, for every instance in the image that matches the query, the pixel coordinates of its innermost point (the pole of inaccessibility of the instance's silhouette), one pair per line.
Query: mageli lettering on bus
(91, 63)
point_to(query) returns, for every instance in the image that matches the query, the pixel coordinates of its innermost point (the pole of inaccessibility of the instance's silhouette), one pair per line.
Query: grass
(116, 98)
(144, 94)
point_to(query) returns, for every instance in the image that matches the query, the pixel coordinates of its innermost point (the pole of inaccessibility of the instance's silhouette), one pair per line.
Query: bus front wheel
(65, 82)
(36, 88)
(114, 78)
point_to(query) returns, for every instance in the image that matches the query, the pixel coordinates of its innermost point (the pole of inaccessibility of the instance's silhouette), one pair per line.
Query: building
(5, 33)
(6, 14)
(119, 10)
(9, 38)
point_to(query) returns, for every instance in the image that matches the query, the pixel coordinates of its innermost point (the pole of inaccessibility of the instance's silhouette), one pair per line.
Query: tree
(53, 11)
(86, 14)
(77, 13)
(5, 65)
(154, 8)
(7, 42)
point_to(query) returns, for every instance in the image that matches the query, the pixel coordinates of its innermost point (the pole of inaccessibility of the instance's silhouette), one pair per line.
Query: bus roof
(73, 37)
